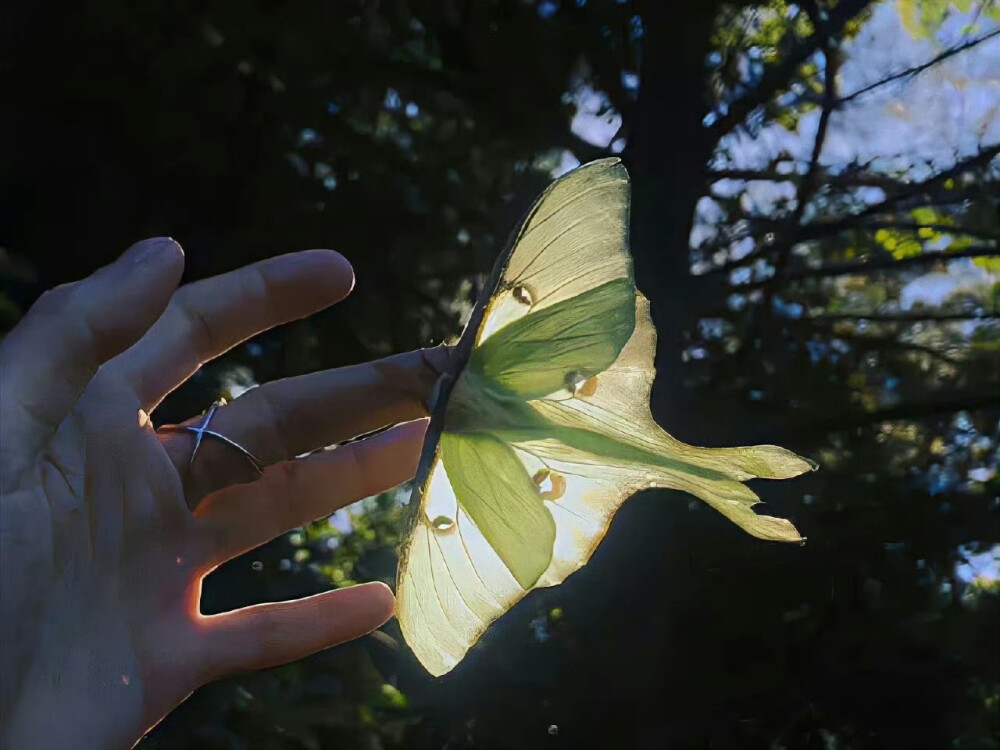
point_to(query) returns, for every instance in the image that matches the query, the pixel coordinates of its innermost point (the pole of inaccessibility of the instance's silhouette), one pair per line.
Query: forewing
(574, 339)
(574, 239)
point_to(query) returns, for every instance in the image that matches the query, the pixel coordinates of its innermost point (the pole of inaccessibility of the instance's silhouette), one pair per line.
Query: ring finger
(293, 493)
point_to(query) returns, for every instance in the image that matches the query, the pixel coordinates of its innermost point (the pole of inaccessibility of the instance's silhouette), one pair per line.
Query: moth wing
(574, 239)
(481, 538)
(614, 406)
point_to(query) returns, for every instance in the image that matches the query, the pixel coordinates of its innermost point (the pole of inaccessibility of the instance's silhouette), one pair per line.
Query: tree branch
(970, 401)
(845, 269)
(917, 69)
(840, 180)
(826, 228)
(787, 237)
(811, 183)
(778, 76)
(980, 159)
(880, 264)
(790, 235)
(929, 317)
(889, 343)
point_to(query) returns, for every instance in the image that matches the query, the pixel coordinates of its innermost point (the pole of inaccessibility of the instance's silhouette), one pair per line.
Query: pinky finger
(266, 635)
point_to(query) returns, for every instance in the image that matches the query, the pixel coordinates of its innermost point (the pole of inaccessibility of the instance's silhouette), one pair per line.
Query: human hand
(106, 530)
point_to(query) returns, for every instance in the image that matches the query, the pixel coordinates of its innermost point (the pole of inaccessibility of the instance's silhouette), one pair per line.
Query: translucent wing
(546, 430)
(608, 415)
(575, 338)
(452, 581)
(574, 239)
(482, 539)
(591, 451)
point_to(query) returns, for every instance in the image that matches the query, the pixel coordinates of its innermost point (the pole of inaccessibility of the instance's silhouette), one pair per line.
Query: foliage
(835, 292)
(922, 18)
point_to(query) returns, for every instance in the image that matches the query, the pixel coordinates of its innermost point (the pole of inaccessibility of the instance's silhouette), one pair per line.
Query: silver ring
(201, 430)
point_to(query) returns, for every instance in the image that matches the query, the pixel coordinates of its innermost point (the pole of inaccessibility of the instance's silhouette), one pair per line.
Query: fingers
(266, 635)
(289, 417)
(50, 357)
(292, 493)
(207, 318)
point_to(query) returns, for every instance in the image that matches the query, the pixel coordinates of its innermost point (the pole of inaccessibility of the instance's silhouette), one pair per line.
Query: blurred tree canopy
(816, 217)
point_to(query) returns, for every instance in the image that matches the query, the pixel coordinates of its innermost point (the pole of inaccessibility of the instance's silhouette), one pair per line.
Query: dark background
(247, 129)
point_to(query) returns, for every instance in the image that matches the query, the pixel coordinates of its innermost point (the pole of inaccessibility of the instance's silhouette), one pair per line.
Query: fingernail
(328, 265)
(147, 250)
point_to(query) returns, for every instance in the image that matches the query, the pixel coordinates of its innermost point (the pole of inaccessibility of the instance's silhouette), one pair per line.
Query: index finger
(207, 318)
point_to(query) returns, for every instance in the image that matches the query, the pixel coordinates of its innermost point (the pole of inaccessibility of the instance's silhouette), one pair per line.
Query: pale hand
(106, 532)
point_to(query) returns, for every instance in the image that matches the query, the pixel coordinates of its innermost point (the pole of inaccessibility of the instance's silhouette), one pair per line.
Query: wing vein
(547, 245)
(452, 577)
(571, 279)
(461, 538)
(437, 593)
(570, 202)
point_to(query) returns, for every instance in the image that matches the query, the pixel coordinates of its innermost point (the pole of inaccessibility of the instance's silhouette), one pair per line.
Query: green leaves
(923, 18)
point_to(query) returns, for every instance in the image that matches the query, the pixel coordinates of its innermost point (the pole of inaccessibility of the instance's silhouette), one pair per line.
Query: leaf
(990, 264)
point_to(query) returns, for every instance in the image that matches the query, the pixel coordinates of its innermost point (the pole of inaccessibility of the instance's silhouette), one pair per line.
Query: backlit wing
(546, 430)
(452, 582)
(608, 416)
(594, 449)
(574, 239)
(481, 540)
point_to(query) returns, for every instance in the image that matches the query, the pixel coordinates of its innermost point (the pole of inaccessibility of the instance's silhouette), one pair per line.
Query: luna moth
(541, 427)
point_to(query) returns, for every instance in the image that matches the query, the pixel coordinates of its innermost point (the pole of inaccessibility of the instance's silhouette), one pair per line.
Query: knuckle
(281, 479)
(358, 463)
(285, 472)
(274, 417)
(262, 290)
(58, 298)
(90, 338)
(199, 325)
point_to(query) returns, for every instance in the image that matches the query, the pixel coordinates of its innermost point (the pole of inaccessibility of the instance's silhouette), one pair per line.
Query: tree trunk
(667, 159)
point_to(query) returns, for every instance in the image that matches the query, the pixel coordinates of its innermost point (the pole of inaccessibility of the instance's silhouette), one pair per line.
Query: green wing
(491, 486)
(575, 239)
(576, 338)
(548, 430)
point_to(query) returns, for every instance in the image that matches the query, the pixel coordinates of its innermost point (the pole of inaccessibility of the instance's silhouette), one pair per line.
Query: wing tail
(609, 417)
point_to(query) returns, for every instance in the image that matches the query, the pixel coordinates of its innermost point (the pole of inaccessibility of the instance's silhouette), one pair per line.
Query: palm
(108, 529)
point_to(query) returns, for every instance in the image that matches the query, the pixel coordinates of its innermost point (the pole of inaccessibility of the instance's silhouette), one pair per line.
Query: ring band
(201, 430)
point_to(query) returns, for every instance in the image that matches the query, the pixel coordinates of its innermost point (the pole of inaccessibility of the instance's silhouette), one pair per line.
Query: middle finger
(207, 318)
(286, 418)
